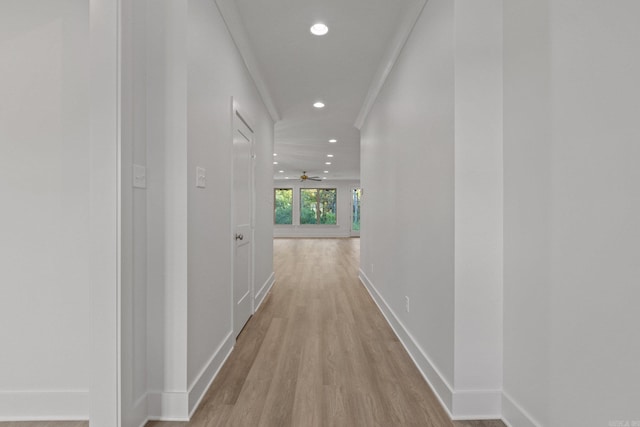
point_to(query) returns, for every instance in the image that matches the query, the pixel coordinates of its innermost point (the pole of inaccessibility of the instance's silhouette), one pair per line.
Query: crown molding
(231, 17)
(389, 60)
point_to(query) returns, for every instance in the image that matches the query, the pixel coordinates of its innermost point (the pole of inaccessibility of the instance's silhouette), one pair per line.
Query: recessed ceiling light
(326, 172)
(280, 171)
(275, 154)
(275, 163)
(327, 163)
(286, 177)
(319, 29)
(333, 141)
(324, 177)
(318, 104)
(329, 155)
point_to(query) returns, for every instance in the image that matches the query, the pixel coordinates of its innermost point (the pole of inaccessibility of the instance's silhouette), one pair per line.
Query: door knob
(239, 236)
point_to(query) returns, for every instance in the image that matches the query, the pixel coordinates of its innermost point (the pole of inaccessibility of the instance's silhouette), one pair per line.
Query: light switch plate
(139, 176)
(201, 177)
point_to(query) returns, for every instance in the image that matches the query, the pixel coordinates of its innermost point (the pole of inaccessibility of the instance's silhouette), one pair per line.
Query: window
(318, 205)
(355, 214)
(283, 206)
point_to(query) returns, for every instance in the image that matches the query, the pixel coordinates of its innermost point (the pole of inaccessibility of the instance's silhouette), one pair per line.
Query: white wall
(572, 210)
(407, 176)
(344, 207)
(193, 71)
(134, 233)
(216, 72)
(478, 209)
(432, 229)
(167, 182)
(45, 302)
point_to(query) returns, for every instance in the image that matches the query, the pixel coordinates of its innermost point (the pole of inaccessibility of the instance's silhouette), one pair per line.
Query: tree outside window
(318, 205)
(283, 206)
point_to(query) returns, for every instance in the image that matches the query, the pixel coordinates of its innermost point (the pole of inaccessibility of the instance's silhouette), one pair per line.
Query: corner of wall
(261, 294)
(206, 376)
(514, 415)
(168, 406)
(440, 386)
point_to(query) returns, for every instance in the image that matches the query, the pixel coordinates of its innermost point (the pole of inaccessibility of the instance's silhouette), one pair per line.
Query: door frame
(237, 111)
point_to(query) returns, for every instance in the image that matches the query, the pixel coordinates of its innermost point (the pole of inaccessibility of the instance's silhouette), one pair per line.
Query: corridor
(319, 353)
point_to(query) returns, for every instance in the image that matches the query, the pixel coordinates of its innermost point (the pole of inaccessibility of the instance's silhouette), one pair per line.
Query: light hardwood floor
(318, 353)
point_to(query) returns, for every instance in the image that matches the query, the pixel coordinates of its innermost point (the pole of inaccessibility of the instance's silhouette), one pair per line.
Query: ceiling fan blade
(314, 178)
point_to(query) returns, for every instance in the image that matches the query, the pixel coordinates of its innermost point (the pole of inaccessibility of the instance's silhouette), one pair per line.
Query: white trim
(168, 406)
(514, 415)
(201, 384)
(105, 211)
(389, 60)
(231, 18)
(477, 404)
(44, 405)
(438, 383)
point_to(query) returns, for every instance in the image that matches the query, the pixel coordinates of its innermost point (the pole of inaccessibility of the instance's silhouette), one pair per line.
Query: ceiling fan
(304, 177)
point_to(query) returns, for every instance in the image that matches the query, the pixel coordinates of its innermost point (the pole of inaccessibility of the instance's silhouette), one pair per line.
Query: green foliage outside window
(318, 206)
(355, 215)
(283, 205)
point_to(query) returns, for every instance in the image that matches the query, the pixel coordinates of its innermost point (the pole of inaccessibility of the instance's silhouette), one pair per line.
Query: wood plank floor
(317, 353)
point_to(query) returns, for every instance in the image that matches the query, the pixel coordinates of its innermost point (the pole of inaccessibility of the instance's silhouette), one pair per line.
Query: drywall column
(572, 213)
(104, 211)
(478, 209)
(133, 215)
(167, 208)
(55, 186)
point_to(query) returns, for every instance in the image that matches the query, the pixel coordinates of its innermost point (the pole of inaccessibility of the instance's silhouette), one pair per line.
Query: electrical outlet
(407, 303)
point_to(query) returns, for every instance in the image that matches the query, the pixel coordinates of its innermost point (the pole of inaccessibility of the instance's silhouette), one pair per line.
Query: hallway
(318, 353)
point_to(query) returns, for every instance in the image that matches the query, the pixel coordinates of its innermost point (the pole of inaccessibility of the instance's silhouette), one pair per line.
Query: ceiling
(344, 69)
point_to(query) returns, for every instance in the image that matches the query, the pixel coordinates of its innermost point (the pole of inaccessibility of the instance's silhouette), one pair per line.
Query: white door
(242, 221)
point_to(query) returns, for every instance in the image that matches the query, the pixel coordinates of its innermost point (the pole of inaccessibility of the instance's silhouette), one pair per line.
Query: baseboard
(311, 232)
(168, 406)
(477, 404)
(514, 415)
(263, 291)
(204, 379)
(44, 405)
(437, 382)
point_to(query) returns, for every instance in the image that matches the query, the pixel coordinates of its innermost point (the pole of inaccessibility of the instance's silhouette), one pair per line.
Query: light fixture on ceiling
(326, 172)
(327, 163)
(280, 171)
(319, 29)
(275, 154)
(318, 104)
(275, 163)
(333, 141)
(329, 155)
(324, 177)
